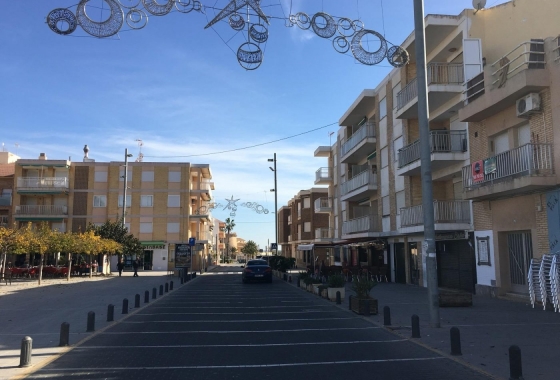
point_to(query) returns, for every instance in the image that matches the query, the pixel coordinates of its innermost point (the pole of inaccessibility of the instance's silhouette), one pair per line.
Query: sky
(180, 89)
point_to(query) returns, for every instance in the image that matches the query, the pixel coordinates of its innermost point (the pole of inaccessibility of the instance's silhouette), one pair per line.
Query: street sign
(192, 241)
(273, 246)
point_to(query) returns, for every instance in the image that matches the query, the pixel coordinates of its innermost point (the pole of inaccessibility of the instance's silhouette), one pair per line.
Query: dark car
(256, 270)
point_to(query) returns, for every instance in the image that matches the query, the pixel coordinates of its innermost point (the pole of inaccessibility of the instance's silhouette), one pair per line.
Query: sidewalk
(27, 309)
(487, 329)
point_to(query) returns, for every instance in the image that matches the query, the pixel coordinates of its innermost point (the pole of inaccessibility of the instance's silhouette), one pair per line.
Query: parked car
(256, 270)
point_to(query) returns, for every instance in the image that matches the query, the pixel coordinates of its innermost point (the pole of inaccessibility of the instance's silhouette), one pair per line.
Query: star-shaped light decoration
(231, 204)
(235, 5)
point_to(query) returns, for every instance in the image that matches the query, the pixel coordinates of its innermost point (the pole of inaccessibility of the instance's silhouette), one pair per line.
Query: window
(146, 227)
(174, 177)
(306, 202)
(148, 176)
(384, 157)
(100, 176)
(173, 201)
(128, 175)
(307, 227)
(396, 91)
(386, 206)
(397, 144)
(400, 201)
(172, 228)
(146, 201)
(99, 201)
(382, 108)
(128, 200)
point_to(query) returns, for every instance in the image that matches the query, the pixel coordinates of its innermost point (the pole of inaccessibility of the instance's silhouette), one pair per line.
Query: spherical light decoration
(129, 4)
(184, 6)
(341, 44)
(157, 9)
(397, 56)
(102, 29)
(344, 27)
(302, 20)
(60, 17)
(136, 19)
(368, 57)
(259, 33)
(236, 21)
(323, 25)
(249, 56)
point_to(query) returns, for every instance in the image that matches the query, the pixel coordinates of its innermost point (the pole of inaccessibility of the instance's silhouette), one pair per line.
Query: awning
(305, 247)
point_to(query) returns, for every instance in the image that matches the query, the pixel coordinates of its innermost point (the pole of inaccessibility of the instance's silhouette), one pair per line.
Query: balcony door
(520, 248)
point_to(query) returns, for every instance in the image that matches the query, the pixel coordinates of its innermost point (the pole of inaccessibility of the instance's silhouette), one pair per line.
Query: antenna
(17, 146)
(140, 155)
(478, 4)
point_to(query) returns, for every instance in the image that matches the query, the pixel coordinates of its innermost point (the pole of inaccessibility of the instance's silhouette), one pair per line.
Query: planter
(332, 293)
(316, 288)
(358, 305)
(302, 285)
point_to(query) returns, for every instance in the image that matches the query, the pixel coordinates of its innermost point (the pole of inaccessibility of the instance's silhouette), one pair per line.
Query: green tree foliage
(118, 232)
(250, 248)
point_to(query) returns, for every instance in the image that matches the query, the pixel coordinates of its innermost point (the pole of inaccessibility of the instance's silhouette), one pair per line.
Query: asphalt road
(215, 327)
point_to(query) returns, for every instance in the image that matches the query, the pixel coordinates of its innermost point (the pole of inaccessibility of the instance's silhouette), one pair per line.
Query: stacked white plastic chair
(555, 281)
(533, 280)
(544, 278)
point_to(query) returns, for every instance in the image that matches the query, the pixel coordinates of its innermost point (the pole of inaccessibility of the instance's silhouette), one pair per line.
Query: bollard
(90, 321)
(25, 356)
(349, 302)
(366, 309)
(182, 281)
(146, 296)
(154, 291)
(161, 290)
(289, 279)
(298, 283)
(338, 297)
(110, 313)
(170, 285)
(137, 301)
(166, 287)
(285, 277)
(64, 334)
(415, 326)
(125, 306)
(515, 367)
(386, 316)
(455, 336)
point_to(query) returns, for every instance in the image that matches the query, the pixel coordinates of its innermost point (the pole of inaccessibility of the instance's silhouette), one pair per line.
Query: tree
(116, 231)
(230, 224)
(11, 241)
(250, 249)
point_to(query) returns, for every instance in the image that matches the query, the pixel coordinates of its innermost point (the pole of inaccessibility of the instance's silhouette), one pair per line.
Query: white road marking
(246, 320)
(240, 331)
(253, 313)
(234, 307)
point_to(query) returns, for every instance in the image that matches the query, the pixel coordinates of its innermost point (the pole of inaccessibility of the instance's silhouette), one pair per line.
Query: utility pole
(275, 202)
(125, 179)
(429, 245)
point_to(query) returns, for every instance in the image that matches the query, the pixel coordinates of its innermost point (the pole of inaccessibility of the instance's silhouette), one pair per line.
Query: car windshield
(257, 262)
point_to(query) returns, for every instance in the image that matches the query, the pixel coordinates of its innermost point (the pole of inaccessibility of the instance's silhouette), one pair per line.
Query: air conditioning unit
(528, 105)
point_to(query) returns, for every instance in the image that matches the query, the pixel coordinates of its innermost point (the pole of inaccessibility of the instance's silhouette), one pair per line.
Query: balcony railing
(437, 73)
(363, 179)
(5, 200)
(323, 174)
(322, 204)
(323, 233)
(526, 160)
(367, 223)
(440, 142)
(444, 212)
(289, 219)
(365, 131)
(41, 210)
(51, 183)
(3, 221)
(526, 55)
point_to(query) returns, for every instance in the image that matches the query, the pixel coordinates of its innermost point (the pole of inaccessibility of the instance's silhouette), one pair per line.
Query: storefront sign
(477, 171)
(454, 235)
(182, 256)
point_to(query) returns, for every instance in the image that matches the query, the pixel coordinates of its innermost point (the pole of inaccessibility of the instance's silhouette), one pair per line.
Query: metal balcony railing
(323, 174)
(363, 179)
(526, 160)
(43, 182)
(367, 223)
(455, 211)
(557, 49)
(321, 203)
(41, 210)
(323, 233)
(526, 55)
(440, 142)
(365, 131)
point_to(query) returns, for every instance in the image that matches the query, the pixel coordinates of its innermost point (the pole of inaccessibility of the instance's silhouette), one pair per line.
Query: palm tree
(230, 223)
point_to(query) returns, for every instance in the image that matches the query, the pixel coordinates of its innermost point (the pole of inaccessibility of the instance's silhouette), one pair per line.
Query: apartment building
(166, 202)
(7, 169)
(481, 65)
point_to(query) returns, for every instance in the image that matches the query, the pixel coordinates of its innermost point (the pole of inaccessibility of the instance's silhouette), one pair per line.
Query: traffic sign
(192, 241)
(273, 246)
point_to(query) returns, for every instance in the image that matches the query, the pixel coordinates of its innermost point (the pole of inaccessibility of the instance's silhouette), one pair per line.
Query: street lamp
(275, 190)
(125, 178)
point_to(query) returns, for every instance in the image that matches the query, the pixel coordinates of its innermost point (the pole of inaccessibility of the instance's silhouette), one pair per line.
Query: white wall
(485, 273)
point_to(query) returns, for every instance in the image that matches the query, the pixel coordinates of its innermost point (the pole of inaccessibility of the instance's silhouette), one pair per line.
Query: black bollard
(298, 282)
(366, 308)
(90, 321)
(146, 296)
(125, 306)
(285, 277)
(338, 297)
(110, 313)
(182, 281)
(166, 287)
(415, 326)
(289, 279)
(349, 302)
(154, 292)
(515, 367)
(137, 301)
(170, 285)
(386, 316)
(161, 290)
(64, 334)
(455, 336)
(25, 355)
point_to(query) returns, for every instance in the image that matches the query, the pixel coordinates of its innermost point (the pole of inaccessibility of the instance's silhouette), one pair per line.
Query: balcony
(359, 187)
(445, 81)
(289, 219)
(365, 226)
(204, 189)
(5, 200)
(446, 148)
(323, 234)
(42, 185)
(41, 212)
(323, 205)
(359, 145)
(323, 176)
(524, 169)
(513, 76)
(448, 216)
(322, 151)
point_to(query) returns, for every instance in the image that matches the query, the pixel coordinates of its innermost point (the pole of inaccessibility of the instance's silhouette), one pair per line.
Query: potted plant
(362, 285)
(322, 290)
(302, 276)
(308, 283)
(315, 285)
(337, 283)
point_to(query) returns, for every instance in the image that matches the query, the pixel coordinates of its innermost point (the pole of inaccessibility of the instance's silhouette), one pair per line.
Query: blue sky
(179, 88)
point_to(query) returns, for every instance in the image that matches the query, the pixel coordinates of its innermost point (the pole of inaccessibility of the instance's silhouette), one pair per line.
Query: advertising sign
(477, 171)
(182, 256)
(490, 165)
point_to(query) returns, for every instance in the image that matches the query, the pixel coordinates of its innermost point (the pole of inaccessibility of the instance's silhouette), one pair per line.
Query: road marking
(235, 307)
(97, 369)
(253, 313)
(239, 331)
(247, 320)
(243, 345)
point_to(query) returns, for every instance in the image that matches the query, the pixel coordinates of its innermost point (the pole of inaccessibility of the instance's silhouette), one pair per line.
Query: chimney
(42, 156)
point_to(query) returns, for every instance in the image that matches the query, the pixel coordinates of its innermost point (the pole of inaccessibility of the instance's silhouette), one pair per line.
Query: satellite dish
(478, 4)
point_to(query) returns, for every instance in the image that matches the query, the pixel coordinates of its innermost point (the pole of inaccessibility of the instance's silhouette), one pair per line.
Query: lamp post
(275, 190)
